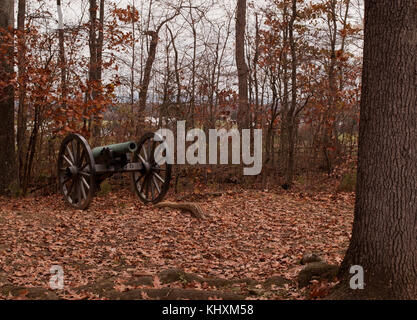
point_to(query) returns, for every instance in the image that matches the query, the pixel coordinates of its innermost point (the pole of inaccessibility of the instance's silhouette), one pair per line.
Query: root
(190, 207)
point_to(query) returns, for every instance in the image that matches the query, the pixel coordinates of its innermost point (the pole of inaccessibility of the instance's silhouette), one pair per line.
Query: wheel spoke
(150, 150)
(159, 177)
(79, 156)
(84, 167)
(145, 154)
(156, 184)
(152, 158)
(70, 154)
(141, 159)
(139, 179)
(81, 159)
(85, 174)
(69, 190)
(82, 189)
(143, 187)
(151, 186)
(78, 192)
(85, 170)
(147, 186)
(85, 183)
(68, 160)
(74, 150)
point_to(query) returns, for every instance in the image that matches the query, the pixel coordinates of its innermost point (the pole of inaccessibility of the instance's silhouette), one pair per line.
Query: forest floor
(122, 249)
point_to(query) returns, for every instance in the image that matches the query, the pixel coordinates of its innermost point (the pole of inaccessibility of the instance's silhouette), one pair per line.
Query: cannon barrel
(121, 148)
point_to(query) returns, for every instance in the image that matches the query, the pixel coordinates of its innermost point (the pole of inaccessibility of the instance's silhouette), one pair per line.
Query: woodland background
(114, 70)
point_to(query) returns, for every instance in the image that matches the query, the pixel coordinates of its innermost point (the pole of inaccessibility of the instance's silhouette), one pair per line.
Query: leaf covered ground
(245, 234)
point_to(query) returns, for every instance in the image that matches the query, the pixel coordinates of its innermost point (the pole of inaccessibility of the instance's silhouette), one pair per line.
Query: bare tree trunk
(21, 112)
(100, 41)
(384, 239)
(133, 63)
(290, 119)
(7, 135)
(255, 68)
(96, 60)
(329, 141)
(285, 99)
(62, 60)
(242, 68)
(30, 154)
(92, 71)
(176, 68)
(143, 93)
(193, 70)
(92, 68)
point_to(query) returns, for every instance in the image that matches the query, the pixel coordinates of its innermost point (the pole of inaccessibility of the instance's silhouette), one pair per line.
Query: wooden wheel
(76, 171)
(152, 182)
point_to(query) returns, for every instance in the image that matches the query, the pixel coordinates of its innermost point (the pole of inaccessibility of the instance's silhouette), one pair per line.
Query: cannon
(81, 169)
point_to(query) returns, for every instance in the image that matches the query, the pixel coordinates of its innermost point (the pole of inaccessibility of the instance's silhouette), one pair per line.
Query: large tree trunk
(243, 115)
(7, 135)
(384, 240)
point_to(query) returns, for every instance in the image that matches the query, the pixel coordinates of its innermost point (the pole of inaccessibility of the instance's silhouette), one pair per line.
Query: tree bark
(133, 63)
(384, 239)
(100, 42)
(92, 76)
(92, 67)
(22, 110)
(96, 38)
(62, 60)
(243, 114)
(291, 125)
(7, 135)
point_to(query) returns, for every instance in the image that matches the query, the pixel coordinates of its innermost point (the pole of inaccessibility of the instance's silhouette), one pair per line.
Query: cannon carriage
(81, 169)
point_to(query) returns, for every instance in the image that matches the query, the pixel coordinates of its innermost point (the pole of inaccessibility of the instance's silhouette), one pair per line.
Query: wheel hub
(147, 167)
(72, 171)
